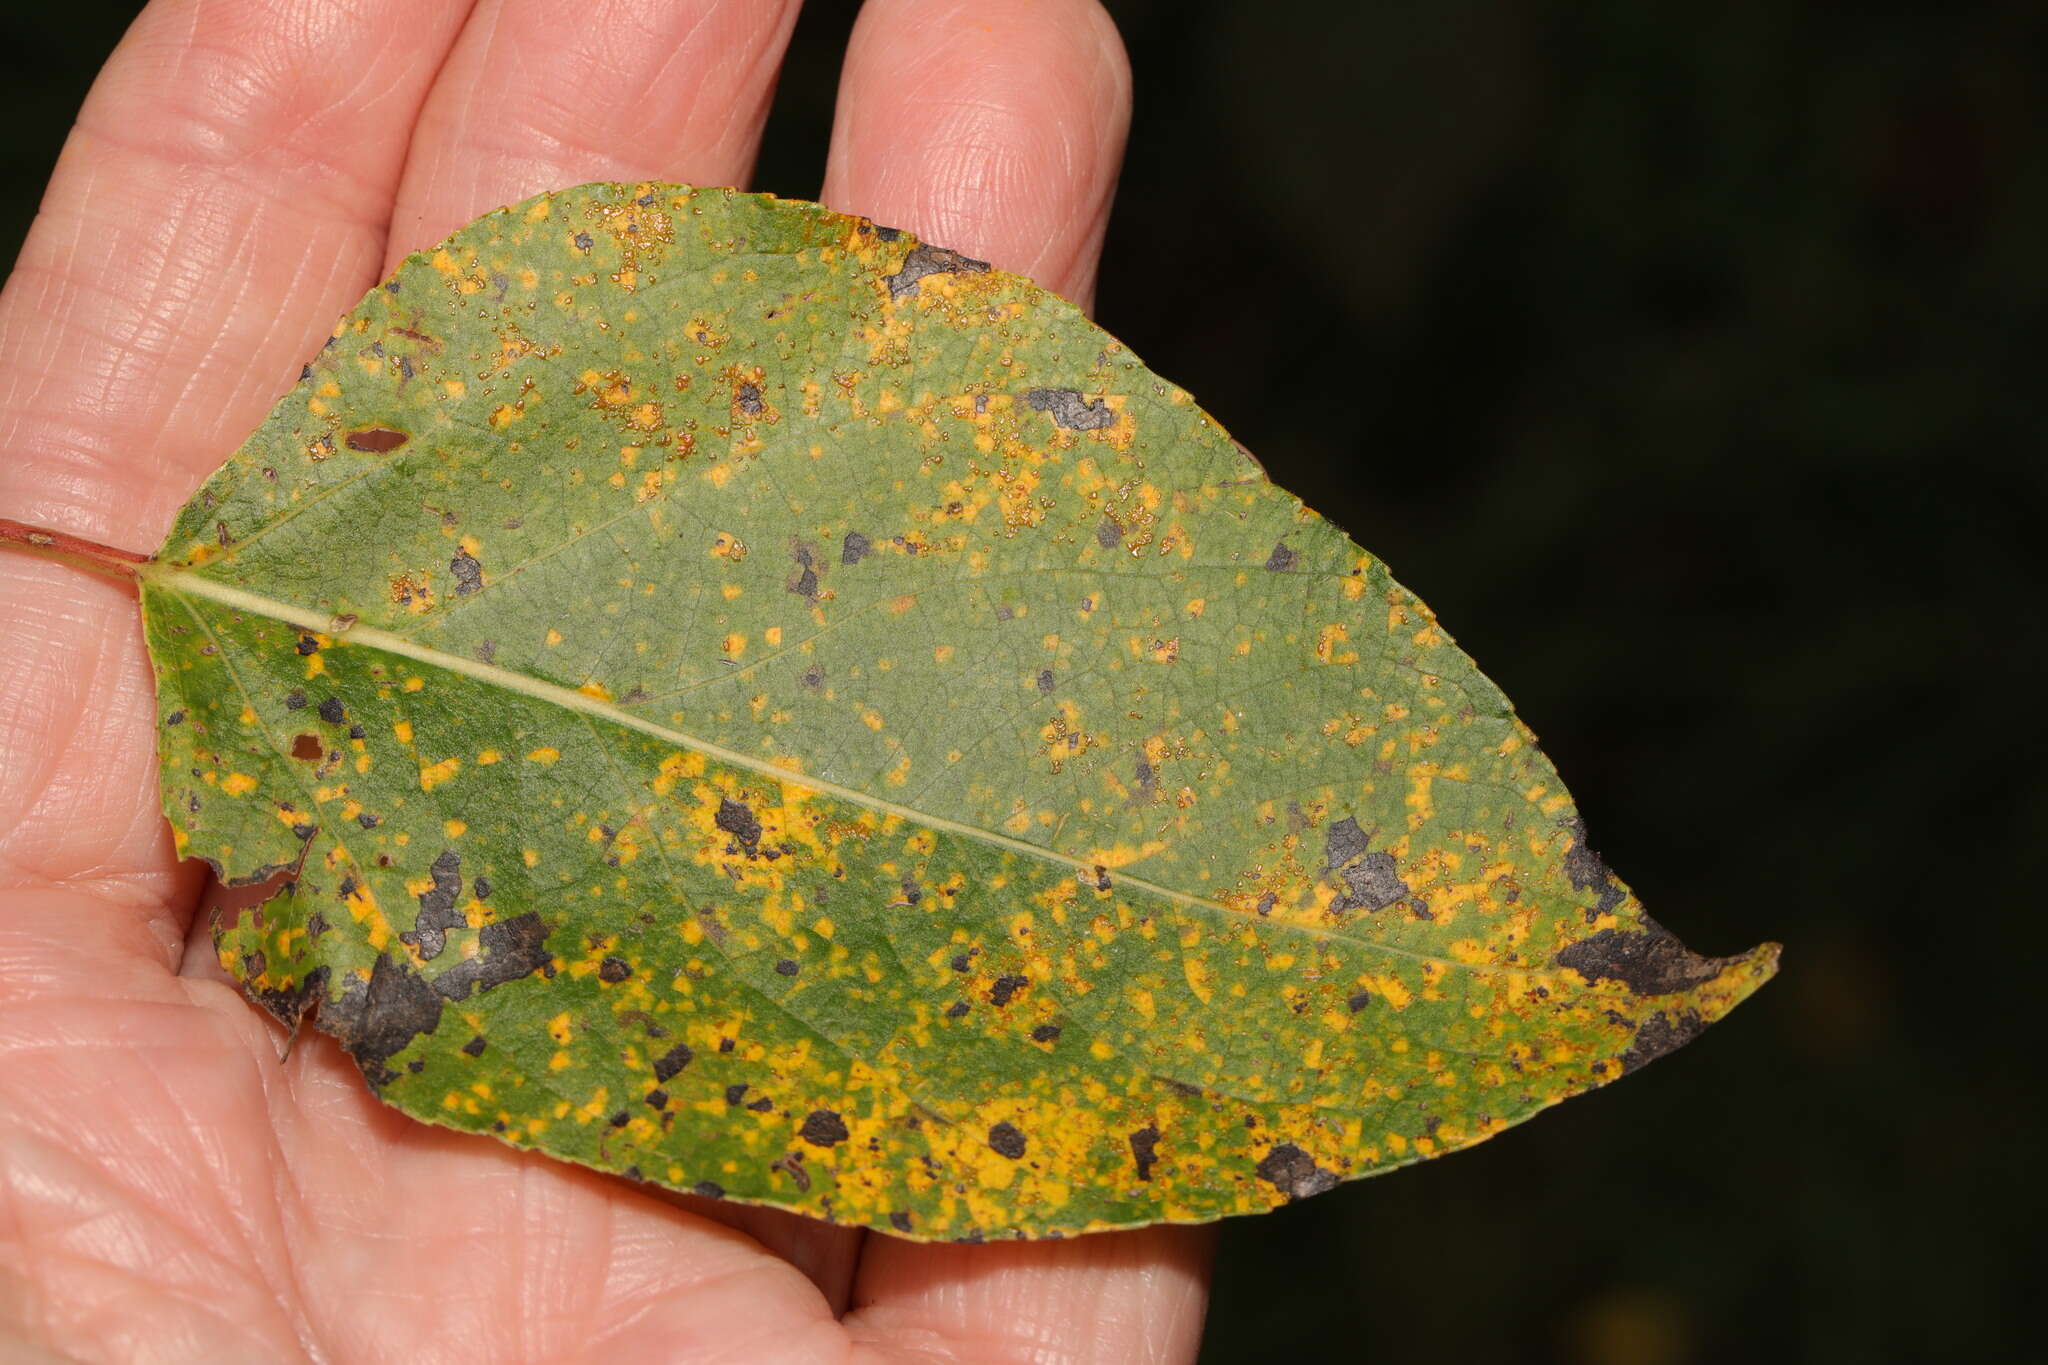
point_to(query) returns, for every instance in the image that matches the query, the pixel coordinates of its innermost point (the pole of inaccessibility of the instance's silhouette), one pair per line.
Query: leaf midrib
(187, 582)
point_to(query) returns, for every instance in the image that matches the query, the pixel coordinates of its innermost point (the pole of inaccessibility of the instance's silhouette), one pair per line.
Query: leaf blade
(1000, 587)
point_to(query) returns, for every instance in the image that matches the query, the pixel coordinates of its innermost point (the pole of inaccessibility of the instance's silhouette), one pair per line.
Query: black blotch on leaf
(1045, 682)
(375, 440)
(1108, 534)
(374, 1020)
(956, 1009)
(438, 914)
(1070, 410)
(900, 1221)
(513, 949)
(930, 260)
(740, 822)
(710, 1189)
(1659, 1034)
(736, 1094)
(657, 1099)
(1588, 873)
(307, 645)
(1005, 988)
(469, 575)
(1045, 1033)
(1145, 1150)
(748, 400)
(959, 963)
(1358, 1001)
(1294, 1172)
(621, 1119)
(823, 1128)
(805, 584)
(368, 821)
(332, 711)
(854, 548)
(1373, 880)
(1649, 961)
(1281, 560)
(613, 970)
(288, 1004)
(669, 1063)
(475, 1046)
(294, 701)
(1005, 1140)
(1344, 841)
(785, 968)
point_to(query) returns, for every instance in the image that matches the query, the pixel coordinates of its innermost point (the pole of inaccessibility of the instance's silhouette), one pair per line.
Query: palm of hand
(168, 1189)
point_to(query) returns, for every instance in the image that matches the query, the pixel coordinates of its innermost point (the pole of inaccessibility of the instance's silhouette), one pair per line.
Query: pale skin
(242, 171)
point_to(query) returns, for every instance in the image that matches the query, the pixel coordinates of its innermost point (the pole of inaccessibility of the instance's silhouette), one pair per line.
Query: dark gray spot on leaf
(739, 821)
(1650, 961)
(288, 1004)
(513, 949)
(823, 1128)
(748, 400)
(438, 914)
(1145, 1150)
(1659, 1034)
(469, 575)
(1374, 884)
(930, 260)
(1005, 1140)
(1108, 534)
(374, 1020)
(854, 548)
(1294, 1173)
(1588, 873)
(475, 1046)
(1005, 988)
(710, 1189)
(1281, 560)
(669, 1063)
(332, 711)
(1344, 841)
(613, 970)
(1070, 410)
(900, 1221)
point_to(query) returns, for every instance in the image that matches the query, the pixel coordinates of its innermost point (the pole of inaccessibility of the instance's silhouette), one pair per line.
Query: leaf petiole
(70, 549)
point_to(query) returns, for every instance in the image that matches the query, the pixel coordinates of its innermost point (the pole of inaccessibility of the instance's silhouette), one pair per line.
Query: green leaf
(750, 701)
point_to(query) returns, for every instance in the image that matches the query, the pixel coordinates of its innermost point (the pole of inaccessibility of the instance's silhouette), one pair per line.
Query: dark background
(1687, 360)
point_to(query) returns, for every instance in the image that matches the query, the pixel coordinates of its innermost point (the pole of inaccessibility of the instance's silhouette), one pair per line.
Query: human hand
(242, 172)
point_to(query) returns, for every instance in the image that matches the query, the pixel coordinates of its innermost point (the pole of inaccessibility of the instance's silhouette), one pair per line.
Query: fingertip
(995, 129)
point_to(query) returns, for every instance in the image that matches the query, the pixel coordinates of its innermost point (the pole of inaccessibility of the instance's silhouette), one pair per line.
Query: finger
(1120, 1298)
(221, 200)
(992, 127)
(542, 94)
